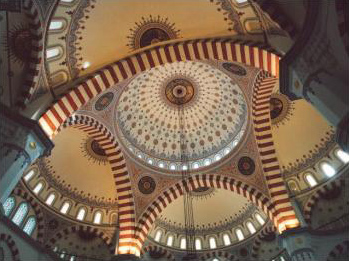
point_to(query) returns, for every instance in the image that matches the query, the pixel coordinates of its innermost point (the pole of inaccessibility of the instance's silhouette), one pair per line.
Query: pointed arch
(262, 90)
(267, 231)
(200, 180)
(228, 49)
(11, 245)
(126, 206)
(73, 229)
(158, 249)
(338, 250)
(313, 200)
(218, 253)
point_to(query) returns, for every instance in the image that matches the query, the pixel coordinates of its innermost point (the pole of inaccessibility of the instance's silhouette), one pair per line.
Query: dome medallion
(213, 109)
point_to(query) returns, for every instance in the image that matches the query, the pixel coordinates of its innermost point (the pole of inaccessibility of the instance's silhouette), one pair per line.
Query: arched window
(62, 255)
(343, 156)
(50, 199)
(260, 219)
(97, 219)
(158, 235)
(183, 244)
(251, 227)
(30, 225)
(226, 240)
(38, 188)
(29, 175)
(56, 24)
(327, 169)
(9, 205)
(215, 259)
(212, 242)
(310, 180)
(81, 214)
(239, 234)
(198, 245)
(20, 214)
(55, 249)
(72, 258)
(170, 240)
(65, 207)
(52, 52)
(241, 1)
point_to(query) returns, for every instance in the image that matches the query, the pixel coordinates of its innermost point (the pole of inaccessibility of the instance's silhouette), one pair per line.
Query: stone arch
(201, 49)
(200, 180)
(37, 209)
(159, 249)
(217, 253)
(126, 211)
(36, 31)
(313, 200)
(338, 250)
(262, 90)
(266, 231)
(11, 245)
(73, 229)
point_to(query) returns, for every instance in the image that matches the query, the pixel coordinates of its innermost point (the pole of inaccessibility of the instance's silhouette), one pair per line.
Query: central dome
(190, 107)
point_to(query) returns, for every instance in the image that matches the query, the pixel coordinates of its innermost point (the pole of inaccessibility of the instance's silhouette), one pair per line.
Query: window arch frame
(84, 213)
(306, 174)
(181, 244)
(343, 161)
(225, 242)
(13, 207)
(168, 238)
(31, 217)
(158, 235)
(237, 230)
(58, 19)
(55, 57)
(249, 222)
(330, 168)
(43, 185)
(26, 211)
(53, 200)
(100, 219)
(259, 218)
(31, 173)
(198, 239)
(68, 209)
(214, 240)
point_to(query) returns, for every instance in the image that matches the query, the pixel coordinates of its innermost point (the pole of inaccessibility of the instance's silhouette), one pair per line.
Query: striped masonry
(37, 209)
(218, 254)
(286, 217)
(341, 248)
(117, 162)
(11, 245)
(221, 49)
(267, 230)
(200, 180)
(312, 201)
(74, 229)
(150, 248)
(36, 32)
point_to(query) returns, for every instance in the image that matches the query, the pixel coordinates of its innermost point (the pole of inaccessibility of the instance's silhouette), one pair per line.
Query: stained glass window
(9, 205)
(20, 214)
(30, 225)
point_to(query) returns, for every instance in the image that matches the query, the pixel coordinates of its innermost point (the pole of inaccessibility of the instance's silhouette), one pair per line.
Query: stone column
(22, 141)
(297, 242)
(316, 67)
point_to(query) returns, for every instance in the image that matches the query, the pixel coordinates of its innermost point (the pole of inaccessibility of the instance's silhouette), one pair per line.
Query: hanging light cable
(187, 195)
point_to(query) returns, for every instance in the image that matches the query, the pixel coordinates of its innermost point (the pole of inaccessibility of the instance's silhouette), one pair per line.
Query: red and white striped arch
(285, 215)
(126, 206)
(267, 230)
(313, 200)
(201, 180)
(159, 250)
(220, 49)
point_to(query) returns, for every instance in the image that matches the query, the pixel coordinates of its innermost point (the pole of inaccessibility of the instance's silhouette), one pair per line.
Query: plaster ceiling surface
(75, 166)
(109, 29)
(183, 108)
(303, 136)
(218, 208)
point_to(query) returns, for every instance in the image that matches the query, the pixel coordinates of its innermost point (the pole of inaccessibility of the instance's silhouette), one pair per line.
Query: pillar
(22, 141)
(297, 242)
(315, 68)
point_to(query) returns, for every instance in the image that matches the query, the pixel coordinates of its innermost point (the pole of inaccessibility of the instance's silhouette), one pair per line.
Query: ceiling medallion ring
(93, 151)
(151, 30)
(146, 185)
(180, 90)
(280, 108)
(104, 101)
